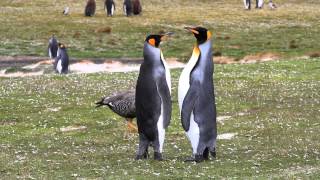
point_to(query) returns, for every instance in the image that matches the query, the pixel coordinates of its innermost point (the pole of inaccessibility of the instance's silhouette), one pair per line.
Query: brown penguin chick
(90, 9)
(136, 7)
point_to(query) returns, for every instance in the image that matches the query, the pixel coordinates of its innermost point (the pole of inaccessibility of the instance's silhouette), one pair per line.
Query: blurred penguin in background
(90, 9)
(247, 4)
(66, 11)
(52, 47)
(109, 7)
(61, 63)
(272, 5)
(127, 7)
(136, 7)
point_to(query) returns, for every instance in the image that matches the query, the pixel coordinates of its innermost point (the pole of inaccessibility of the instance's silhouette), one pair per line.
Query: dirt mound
(260, 57)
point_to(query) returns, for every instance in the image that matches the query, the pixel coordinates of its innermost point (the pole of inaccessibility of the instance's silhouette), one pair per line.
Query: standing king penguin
(153, 98)
(109, 7)
(90, 9)
(52, 47)
(196, 97)
(61, 63)
(127, 7)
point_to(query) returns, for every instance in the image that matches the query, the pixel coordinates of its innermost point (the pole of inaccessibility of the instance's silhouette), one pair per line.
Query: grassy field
(272, 107)
(291, 30)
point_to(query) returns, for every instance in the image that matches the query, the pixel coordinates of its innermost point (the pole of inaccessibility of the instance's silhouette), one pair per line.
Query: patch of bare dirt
(224, 60)
(260, 57)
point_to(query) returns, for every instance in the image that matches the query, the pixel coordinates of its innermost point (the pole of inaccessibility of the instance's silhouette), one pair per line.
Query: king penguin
(109, 7)
(153, 98)
(127, 7)
(61, 63)
(196, 97)
(52, 47)
(90, 9)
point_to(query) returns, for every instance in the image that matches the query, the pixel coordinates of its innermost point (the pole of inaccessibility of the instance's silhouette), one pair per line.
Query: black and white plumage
(247, 4)
(127, 7)
(272, 5)
(52, 47)
(136, 7)
(61, 63)
(66, 11)
(153, 98)
(122, 104)
(196, 97)
(90, 8)
(109, 7)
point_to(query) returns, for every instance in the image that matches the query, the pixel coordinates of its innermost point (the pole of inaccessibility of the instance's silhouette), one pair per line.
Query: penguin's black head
(202, 34)
(156, 39)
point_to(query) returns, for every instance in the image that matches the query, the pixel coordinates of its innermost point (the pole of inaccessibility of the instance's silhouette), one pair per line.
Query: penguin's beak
(191, 29)
(165, 36)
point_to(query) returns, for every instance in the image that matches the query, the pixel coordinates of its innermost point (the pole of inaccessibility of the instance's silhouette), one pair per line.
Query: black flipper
(165, 96)
(188, 105)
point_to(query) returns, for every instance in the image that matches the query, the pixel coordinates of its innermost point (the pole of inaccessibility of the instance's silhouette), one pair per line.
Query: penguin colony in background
(130, 7)
(259, 4)
(61, 63)
(196, 97)
(153, 98)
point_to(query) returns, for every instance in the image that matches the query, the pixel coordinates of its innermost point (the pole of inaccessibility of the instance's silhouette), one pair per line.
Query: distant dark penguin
(153, 98)
(109, 7)
(61, 63)
(90, 9)
(196, 97)
(122, 104)
(52, 47)
(247, 4)
(136, 7)
(127, 7)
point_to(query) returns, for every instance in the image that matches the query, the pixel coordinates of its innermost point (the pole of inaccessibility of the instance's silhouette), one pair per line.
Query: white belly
(112, 10)
(161, 130)
(59, 66)
(184, 85)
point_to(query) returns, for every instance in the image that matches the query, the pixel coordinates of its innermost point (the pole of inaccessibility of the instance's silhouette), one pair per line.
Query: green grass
(274, 109)
(27, 25)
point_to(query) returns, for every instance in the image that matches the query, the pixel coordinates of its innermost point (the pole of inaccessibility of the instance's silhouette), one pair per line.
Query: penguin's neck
(194, 58)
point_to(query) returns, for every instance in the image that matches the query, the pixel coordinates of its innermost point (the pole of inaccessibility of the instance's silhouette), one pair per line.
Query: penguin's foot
(158, 156)
(213, 154)
(143, 156)
(197, 158)
(190, 159)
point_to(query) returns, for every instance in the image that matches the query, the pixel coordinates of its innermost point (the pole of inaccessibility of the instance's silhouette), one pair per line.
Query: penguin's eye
(152, 42)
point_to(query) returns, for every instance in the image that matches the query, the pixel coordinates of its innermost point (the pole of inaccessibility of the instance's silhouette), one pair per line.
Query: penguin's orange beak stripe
(152, 42)
(192, 30)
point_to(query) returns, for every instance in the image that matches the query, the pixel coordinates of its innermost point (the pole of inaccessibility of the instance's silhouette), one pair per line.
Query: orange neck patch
(152, 42)
(209, 35)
